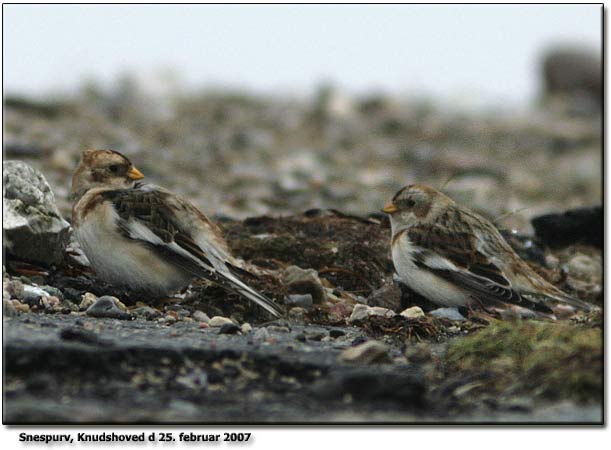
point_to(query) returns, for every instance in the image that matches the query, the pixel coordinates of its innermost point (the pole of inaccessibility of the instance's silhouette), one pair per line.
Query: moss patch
(545, 360)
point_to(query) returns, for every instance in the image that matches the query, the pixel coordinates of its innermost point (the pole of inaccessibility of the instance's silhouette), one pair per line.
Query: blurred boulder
(32, 226)
(574, 73)
(575, 226)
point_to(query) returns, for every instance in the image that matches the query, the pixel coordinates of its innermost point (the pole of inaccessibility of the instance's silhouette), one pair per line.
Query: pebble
(413, 313)
(146, 312)
(200, 316)
(219, 321)
(300, 300)
(366, 353)
(14, 288)
(108, 306)
(388, 296)
(261, 334)
(448, 313)
(297, 314)
(361, 312)
(33, 294)
(229, 328)
(583, 267)
(20, 307)
(303, 281)
(246, 328)
(87, 300)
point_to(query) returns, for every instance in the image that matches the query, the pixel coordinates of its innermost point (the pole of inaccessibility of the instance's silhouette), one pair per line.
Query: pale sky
(490, 52)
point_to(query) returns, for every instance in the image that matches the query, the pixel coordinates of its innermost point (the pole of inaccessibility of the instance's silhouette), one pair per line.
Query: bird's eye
(410, 203)
(114, 168)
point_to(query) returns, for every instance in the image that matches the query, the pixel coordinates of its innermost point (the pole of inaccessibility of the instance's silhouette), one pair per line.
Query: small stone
(447, 313)
(52, 303)
(51, 290)
(388, 296)
(20, 307)
(303, 281)
(219, 321)
(585, 268)
(200, 316)
(297, 314)
(301, 337)
(87, 300)
(261, 335)
(169, 319)
(229, 328)
(361, 312)
(246, 328)
(300, 300)
(107, 306)
(336, 332)
(33, 294)
(146, 312)
(14, 288)
(413, 313)
(366, 353)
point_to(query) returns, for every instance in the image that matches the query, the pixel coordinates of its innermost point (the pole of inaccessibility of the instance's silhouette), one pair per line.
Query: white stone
(413, 313)
(219, 321)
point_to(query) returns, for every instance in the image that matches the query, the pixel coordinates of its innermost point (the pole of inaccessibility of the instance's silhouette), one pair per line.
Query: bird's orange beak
(390, 208)
(135, 174)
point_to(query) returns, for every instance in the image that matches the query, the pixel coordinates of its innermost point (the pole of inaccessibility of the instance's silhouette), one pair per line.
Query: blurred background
(250, 110)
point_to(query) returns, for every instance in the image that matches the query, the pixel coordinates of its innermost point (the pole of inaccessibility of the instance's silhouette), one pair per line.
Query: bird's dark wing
(454, 256)
(150, 216)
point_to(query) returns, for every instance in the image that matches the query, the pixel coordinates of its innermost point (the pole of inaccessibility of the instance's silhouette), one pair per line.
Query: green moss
(548, 360)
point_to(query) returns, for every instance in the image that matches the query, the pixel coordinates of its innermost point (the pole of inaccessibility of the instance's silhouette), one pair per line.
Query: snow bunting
(455, 257)
(144, 237)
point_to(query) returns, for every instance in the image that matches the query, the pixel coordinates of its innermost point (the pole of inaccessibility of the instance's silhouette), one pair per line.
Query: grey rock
(303, 281)
(32, 225)
(388, 296)
(8, 309)
(447, 313)
(200, 316)
(107, 306)
(300, 300)
(32, 294)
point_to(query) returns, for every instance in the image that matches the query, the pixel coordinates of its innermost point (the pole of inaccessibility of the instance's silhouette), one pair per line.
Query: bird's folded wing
(456, 258)
(150, 217)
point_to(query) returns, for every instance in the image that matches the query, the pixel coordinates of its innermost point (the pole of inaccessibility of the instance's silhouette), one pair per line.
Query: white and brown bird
(455, 257)
(144, 237)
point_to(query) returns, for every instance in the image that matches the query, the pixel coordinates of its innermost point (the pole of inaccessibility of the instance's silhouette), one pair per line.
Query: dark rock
(229, 328)
(33, 227)
(336, 332)
(300, 300)
(106, 306)
(573, 71)
(388, 296)
(575, 226)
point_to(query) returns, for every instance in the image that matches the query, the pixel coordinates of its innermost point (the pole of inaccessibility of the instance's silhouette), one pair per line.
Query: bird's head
(103, 168)
(415, 204)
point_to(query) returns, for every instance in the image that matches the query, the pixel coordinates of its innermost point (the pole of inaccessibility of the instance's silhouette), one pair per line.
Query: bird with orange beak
(145, 238)
(455, 257)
